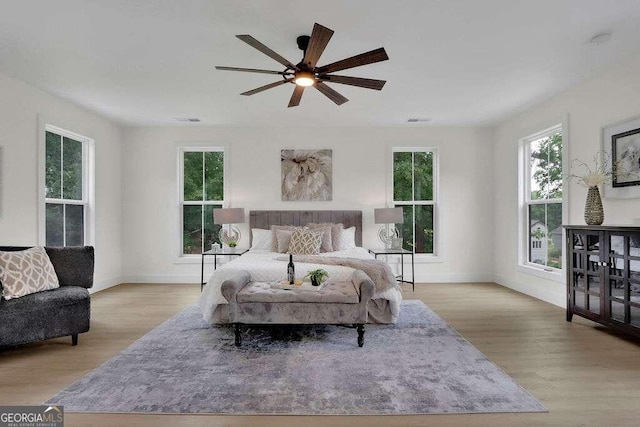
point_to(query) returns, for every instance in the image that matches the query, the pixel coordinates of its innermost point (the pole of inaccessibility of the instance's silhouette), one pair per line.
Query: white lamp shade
(228, 215)
(388, 216)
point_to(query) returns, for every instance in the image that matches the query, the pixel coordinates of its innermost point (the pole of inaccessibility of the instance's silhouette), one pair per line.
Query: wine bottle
(291, 275)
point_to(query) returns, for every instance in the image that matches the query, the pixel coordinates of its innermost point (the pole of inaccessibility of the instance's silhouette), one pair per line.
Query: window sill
(190, 259)
(427, 259)
(417, 258)
(553, 275)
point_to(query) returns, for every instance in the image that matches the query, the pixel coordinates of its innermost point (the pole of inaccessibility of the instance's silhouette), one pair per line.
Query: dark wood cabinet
(603, 275)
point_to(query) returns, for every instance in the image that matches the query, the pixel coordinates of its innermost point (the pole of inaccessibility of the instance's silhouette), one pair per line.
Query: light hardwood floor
(584, 374)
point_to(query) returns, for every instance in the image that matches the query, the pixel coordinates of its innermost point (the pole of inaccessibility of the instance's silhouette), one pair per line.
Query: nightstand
(215, 254)
(402, 253)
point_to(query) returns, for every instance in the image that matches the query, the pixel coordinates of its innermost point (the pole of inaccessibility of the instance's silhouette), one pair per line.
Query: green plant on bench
(317, 276)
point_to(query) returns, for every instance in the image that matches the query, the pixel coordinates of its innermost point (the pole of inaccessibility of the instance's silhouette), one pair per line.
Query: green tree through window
(65, 194)
(544, 199)
(203, 190)
(413, 191)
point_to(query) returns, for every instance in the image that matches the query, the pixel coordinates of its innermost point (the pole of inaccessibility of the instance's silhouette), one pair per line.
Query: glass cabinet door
(623, 278)
(586, 272)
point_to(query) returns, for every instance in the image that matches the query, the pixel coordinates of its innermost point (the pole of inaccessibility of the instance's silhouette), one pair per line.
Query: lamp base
(387, 234)
(231, 234)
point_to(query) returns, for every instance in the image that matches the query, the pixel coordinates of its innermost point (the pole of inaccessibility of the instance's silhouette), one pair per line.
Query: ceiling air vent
(188, 119)
(417, 120)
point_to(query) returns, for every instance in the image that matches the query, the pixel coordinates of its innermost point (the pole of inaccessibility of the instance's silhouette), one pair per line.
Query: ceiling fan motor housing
(303, 43)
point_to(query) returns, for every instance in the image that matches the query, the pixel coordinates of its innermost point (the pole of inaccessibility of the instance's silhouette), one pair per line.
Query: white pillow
(261, 239)
(26, 272)
(346, 239)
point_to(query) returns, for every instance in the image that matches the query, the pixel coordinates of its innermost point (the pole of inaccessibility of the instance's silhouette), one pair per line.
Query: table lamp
(230, 235)
(389, 217)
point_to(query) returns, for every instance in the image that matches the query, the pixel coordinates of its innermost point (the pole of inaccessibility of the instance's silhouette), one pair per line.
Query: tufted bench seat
(340, 292)
(339, 303)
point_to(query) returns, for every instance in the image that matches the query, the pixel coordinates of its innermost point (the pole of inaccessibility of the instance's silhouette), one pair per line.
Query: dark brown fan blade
(252, 70)
(265, 87)
(295, 97)
(354, 81)
(376, 55)
(330, 93)
(264, 49)
(319, 39)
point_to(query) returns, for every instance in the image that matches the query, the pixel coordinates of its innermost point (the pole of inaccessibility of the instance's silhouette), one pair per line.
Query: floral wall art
(306, 175)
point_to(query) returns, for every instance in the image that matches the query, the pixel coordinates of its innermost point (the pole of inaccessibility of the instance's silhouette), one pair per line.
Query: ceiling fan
(306, 73)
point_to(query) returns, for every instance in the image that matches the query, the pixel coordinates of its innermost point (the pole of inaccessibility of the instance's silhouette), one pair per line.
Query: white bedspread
(264, 267)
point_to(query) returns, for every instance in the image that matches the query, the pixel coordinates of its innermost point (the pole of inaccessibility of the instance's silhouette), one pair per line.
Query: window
(202, 190)
(542, 201)
(414, 190)
(66, 188)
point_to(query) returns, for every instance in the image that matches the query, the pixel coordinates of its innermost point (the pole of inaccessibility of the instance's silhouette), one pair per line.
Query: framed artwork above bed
(306, 175)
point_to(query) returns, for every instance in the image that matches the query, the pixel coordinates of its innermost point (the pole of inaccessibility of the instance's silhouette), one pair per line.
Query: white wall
(360, 160)
(612, 97)
(19, 111)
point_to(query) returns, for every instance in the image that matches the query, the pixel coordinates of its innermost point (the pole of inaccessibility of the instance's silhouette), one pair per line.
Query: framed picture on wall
(621, 141)
(625, 152)
(306, 175)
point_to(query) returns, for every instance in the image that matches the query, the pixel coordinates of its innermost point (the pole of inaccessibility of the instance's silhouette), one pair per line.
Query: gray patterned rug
(418, 366)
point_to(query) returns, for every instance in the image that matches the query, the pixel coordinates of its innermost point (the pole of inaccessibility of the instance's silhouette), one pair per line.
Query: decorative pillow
(336, 229)
(274, 228)
(347, 239)
(261, 239)
(327, 242)
(305, 242)
(284, 240)
(26, 272)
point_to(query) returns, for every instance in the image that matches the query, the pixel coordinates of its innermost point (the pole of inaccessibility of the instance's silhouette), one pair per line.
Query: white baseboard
(163, 278)
(105, 284)
(556, 298)
(451, 278)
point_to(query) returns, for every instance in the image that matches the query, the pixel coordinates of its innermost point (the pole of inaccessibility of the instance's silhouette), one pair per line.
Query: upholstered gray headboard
(265, 219)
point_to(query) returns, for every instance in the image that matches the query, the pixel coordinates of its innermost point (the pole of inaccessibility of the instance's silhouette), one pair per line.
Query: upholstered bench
(339, 303)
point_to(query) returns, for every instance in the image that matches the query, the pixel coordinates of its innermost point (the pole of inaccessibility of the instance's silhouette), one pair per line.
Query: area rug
(418, 366)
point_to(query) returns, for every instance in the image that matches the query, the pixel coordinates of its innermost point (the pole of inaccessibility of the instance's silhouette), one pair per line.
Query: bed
(269, 266)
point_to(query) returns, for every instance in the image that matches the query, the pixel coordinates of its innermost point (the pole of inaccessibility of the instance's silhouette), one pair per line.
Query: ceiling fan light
(305, 78)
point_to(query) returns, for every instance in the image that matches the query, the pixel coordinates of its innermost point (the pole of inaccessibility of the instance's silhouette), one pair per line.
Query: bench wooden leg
(360, 335)
(237, 330)
(74, 339)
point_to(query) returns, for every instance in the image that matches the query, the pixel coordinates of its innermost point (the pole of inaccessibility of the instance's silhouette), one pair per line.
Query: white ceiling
(457, 62)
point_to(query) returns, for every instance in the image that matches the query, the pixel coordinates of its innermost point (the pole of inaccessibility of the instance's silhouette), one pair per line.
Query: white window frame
(88, 183)
(435, 256)
(524, 181)
(181, 202)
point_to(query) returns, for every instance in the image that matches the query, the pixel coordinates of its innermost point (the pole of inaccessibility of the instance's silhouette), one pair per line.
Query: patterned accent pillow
(347, 239)
(26, 272)
(327, 242)
(261, 239)
(336, 229)
(305, 242)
